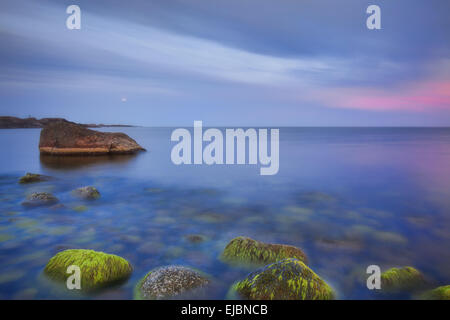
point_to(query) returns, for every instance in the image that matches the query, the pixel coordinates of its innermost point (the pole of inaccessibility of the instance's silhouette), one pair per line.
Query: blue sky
(230, 63)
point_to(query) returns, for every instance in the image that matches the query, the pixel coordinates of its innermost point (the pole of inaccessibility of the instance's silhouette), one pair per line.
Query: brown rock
(68, 138)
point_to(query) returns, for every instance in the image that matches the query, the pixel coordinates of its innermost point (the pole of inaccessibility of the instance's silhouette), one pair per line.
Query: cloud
(283, 59)
(154, 49)
(422, 96)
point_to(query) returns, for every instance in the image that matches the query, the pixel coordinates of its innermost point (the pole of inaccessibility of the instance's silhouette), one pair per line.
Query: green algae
(59, 231)
(288, 279)
(243, 250)
(5, 237)
(98, 269)
(25, 223)
(80, 208)
(440, 293)
(367, 232)
(32, 177)
(402, 279)
(390, 237)
(315, 198)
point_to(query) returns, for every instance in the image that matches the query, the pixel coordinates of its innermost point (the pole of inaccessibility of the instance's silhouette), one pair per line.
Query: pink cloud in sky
(419, 97)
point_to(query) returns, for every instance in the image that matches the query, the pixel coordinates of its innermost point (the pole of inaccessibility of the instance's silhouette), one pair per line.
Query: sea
(348, 197)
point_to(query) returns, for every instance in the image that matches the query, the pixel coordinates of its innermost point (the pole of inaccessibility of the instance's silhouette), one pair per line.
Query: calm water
(348, 197)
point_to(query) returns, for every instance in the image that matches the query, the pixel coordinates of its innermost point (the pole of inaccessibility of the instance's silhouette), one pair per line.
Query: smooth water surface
(349, 197)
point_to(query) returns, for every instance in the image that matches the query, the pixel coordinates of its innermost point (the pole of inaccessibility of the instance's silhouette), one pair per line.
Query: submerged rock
(58, 206)
(169, 282)
(33, 177)
(288, 279)
(315, 198)
(402, 279)
(195, 238)
(98, 269)
(68, 138)
(40, 199)
(247, 250)
(440, 293)
(80, 208)
(89, 193)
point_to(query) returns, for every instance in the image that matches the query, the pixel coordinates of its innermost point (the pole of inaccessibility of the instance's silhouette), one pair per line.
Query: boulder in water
(440, 293)
(89, 193)
(405, 279)
(33, 177)
(98, 269)
(169, 282)
(288, 279)
(68, 138)
(40, 199)
(249, 251)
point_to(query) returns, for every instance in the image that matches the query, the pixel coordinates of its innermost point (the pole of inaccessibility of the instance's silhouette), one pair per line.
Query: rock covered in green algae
(247, 250)
(33, 177)
(89, 193)
(440, 293)
(98, 269)
(402, 279)
(168, 282)
(288, 279)
(40, 199)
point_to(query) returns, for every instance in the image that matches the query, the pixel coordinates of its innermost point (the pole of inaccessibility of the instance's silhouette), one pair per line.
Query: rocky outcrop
(68, 138)
(169, 282)
(243, 250)
(288, 279)
(97, 269)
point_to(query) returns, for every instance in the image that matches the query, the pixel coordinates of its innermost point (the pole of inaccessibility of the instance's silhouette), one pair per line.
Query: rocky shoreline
(7, 122)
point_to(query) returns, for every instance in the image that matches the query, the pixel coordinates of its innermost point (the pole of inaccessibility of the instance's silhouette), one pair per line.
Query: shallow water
(349, 197)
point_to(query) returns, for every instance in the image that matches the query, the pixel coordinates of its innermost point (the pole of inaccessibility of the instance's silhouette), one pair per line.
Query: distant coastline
(7, 122)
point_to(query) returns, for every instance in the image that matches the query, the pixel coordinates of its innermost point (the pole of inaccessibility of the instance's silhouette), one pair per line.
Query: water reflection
(79, 162)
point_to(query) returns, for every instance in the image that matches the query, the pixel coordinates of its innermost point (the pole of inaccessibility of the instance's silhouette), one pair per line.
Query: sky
(227, 63)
